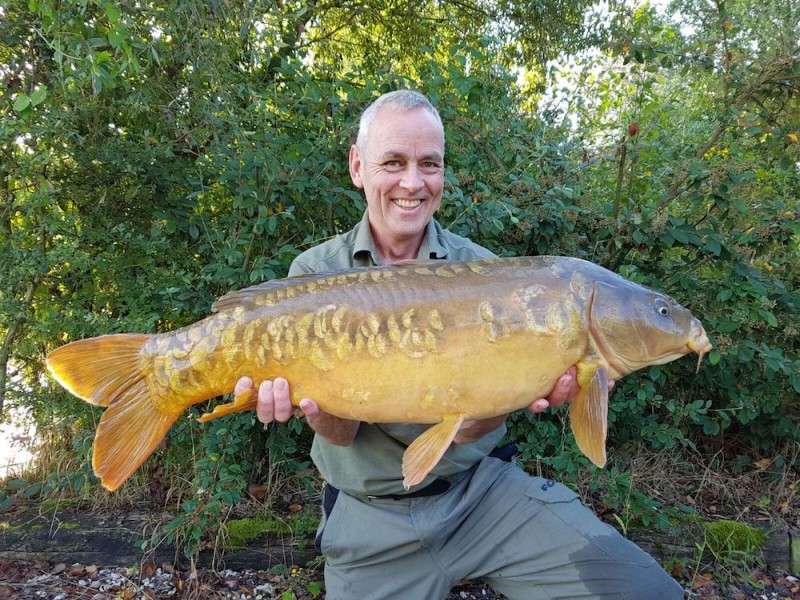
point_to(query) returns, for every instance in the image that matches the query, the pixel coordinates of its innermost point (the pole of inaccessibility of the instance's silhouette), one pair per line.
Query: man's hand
(564, 392)
(274, 404)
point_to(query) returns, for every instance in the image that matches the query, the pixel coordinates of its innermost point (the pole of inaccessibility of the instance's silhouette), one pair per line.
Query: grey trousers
(527, 537)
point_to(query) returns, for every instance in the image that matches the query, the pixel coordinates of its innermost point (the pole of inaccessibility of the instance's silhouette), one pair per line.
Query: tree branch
(11, 333)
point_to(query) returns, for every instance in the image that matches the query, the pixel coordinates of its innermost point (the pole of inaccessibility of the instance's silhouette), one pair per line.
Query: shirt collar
(365, 252)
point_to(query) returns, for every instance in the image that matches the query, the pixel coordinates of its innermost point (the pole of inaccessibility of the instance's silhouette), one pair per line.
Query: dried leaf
(258, 492)
(763, 463)
(701, 579)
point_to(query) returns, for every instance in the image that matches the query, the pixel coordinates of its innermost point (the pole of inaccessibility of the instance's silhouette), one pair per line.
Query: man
(477, 515)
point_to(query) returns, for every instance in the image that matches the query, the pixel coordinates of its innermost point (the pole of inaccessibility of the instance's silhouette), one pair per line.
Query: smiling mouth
(404, 203)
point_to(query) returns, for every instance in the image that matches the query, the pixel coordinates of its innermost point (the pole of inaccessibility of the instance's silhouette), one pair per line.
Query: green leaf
(116, 38)
(680, 236)
(769, 318)
(714, 247)
(38, 95)
(711, 427)
(314, 588)
(113, 13)
(22, 102)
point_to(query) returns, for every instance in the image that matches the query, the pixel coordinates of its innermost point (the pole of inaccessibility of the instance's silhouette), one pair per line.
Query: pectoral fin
(425, 451)
(241, 402)
(589, 417)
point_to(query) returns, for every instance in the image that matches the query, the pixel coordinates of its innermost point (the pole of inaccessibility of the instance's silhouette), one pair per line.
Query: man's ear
(355, 166)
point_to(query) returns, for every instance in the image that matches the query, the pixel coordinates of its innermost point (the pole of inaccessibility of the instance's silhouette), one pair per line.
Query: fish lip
(699, 343)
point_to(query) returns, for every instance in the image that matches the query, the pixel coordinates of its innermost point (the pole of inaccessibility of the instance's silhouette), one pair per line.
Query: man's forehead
(398, 134)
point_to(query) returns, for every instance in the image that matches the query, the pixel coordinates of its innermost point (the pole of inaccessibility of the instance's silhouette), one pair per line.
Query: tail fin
(106, 371)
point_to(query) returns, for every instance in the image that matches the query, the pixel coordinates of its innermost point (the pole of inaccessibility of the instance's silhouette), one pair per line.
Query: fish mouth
(699, 342)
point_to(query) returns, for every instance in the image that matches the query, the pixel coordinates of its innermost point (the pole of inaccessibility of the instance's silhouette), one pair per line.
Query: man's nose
(412, 179)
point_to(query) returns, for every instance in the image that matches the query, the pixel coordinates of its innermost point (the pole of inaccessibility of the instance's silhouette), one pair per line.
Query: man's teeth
(407, 203)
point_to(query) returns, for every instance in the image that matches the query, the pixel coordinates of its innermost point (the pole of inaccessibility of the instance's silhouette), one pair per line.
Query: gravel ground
(45, 580)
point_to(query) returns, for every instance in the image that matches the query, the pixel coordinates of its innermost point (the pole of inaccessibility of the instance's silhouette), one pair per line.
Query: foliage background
(155, 155)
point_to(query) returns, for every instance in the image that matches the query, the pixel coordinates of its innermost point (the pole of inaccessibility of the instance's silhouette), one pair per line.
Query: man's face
(401, 172)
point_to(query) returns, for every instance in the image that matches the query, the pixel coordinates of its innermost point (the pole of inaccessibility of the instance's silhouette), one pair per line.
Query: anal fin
(425, 452)
(588, 416)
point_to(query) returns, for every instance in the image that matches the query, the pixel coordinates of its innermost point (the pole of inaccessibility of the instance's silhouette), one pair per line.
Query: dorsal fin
(245, 296)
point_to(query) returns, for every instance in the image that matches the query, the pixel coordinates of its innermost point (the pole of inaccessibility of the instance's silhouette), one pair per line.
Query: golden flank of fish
(418, 342)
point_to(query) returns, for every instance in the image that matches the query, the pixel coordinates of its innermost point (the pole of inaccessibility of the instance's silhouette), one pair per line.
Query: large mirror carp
(417, 342)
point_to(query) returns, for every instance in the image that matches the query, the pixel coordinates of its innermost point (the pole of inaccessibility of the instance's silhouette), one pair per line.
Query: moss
(68, 525)
(729, 537)
(55, 504)
(794, 554)
(679, 518)
(242, 531)
(50, 505)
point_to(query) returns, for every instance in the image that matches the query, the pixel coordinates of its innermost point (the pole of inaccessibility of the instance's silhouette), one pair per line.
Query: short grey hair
(399, 100)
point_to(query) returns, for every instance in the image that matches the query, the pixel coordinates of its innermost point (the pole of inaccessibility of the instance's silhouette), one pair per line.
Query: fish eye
(662, 307)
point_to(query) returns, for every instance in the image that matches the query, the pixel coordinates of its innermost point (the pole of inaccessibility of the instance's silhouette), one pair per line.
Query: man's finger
(562, 392)
(283, 403)
(539, 405)
(265, 407)
(242, 385)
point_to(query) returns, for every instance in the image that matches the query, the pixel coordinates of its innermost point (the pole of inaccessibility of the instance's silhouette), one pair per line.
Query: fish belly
(478, 380)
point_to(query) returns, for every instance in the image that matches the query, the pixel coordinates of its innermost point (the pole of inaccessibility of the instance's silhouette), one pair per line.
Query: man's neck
(392, 251)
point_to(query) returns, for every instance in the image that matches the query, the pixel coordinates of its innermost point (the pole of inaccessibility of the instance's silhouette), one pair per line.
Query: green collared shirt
(356, 248)
(372, 464)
